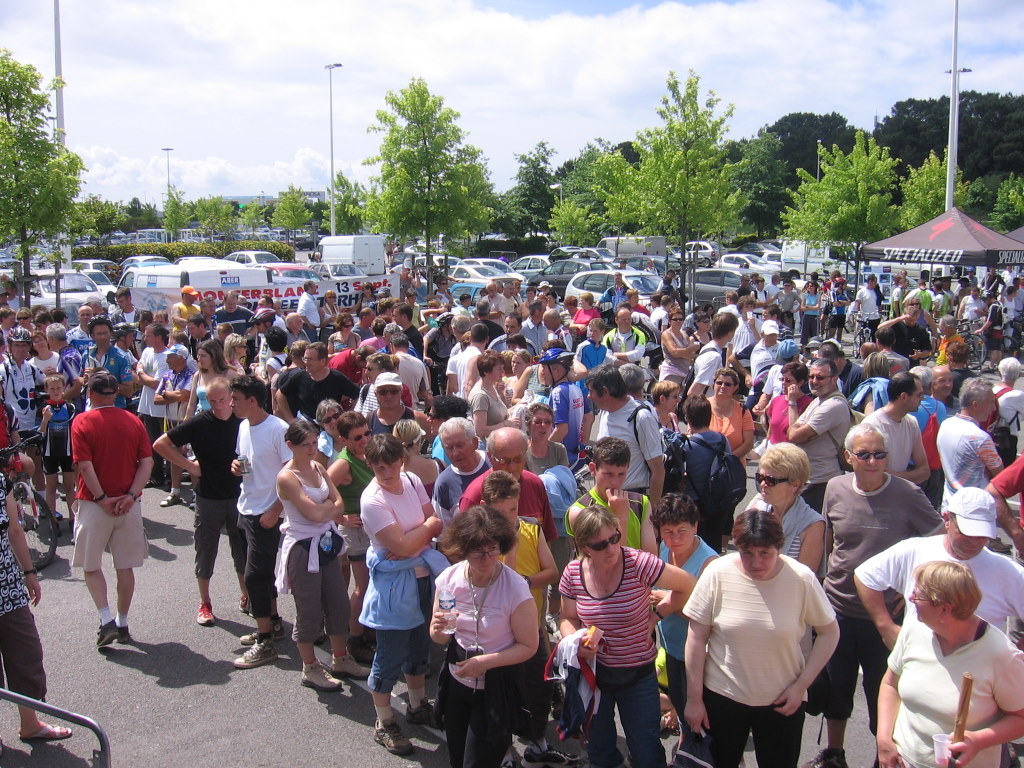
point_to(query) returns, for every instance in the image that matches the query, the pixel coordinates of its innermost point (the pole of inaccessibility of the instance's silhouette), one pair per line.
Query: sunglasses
(332, 417)
(865, 455)
(360, 436)
(676, 319)
(818, 378)
(768, 480)
(601, 546)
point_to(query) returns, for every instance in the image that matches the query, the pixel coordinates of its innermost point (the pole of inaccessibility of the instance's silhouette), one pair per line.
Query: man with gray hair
(483, 316)
(968, 454)
(865, 512)
(458, 438)
(930, 415)
(557, 331)
(635, 380)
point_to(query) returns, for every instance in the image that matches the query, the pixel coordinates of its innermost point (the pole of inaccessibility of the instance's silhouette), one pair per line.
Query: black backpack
(727, 481)
(677, 479)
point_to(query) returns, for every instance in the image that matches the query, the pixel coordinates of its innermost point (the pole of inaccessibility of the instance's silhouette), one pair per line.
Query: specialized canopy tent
(1017, 234)
(951, 238)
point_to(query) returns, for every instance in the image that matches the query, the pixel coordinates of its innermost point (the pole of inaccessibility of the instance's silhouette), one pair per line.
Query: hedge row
(174, 251)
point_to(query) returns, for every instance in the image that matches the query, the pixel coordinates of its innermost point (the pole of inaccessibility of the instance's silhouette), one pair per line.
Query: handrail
(103, 754)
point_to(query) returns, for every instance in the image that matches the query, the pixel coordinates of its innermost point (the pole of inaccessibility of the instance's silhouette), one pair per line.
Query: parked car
(599, 281)
(100, 278)
(138, 261)
(705, 252)
(747, 261)
(75, 287)
(657, 264)
(712, 285)
(566, 252)
(464, 271)
(528, 266)
(327, 271)
(497, 264)
(559, 273)
(253, 258)
(110, 268)
(420, 261)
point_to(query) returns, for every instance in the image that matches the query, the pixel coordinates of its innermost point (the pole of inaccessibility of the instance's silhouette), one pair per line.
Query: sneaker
(359, 649)
(243, 605)
(171, 500)
(277, 628)
(123, 636)
(346, 666)
(424, 715)
(257, 656)
(316, 676)
(509, 762)
(828, 758)
(390, 737)
(107, 634)
(205, 616)
(554, 758)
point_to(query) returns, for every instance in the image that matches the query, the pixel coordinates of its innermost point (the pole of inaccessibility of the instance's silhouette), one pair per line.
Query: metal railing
(102, 755)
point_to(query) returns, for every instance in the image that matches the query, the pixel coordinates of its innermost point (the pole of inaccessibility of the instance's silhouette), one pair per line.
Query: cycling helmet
(19, 334)
(557, 355)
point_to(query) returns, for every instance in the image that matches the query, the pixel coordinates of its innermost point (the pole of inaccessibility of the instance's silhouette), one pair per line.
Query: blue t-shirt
(118, 363)
(569, 405)
(674, 627)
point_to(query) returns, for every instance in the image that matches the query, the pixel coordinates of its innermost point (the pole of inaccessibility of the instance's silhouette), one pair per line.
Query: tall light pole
(817, 156)
(954, 112)
(330, 87)
(168, 150)
(557, 186)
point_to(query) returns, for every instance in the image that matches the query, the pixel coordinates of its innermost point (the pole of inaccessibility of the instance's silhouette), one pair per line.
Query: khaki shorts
(96, 532)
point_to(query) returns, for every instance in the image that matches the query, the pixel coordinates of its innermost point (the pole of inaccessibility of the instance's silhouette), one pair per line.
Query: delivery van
(634, 245)
(364, 251)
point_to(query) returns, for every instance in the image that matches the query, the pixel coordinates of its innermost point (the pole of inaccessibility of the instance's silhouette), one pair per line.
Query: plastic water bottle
(446, 602)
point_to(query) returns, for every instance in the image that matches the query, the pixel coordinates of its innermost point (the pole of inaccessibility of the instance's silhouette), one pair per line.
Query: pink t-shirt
(778, 417)
(495, 633)
(379, 509)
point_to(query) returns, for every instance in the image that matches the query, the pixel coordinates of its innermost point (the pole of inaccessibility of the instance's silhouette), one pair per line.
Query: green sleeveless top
(361, 477)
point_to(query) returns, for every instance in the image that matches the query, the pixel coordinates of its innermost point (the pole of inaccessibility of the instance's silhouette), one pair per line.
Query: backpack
(691, 375)
(677, 480)
(929, 436)
(727, 481)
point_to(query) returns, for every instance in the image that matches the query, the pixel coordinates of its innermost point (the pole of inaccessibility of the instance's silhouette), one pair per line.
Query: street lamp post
(954, 113)
(817, 157)
(168, 150)
(557, 186)
(330, 88)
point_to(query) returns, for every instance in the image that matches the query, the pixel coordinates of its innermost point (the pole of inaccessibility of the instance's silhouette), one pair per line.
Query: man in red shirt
(111, 476)
(506, 450)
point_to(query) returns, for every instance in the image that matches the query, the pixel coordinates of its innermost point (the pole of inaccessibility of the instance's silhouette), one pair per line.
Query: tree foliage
(350, 198)
(97, 217)
(800, 133)
(253, 216)
(292, 211)
(532, 192)
(431, 181)
(681, 181)
(924, 192)
(761, 177)
(39, 178)
(572, 224)
(140, 216)
(578, 177)
(177, 212)
(1008, 213)
(216, 216)
(852, 203)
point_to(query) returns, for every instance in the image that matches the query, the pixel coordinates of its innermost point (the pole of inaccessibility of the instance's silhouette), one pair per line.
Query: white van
(364, 251)
(635, 245)
(157, 286)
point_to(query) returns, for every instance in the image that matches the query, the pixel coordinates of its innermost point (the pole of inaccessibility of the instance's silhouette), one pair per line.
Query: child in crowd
(56, 429)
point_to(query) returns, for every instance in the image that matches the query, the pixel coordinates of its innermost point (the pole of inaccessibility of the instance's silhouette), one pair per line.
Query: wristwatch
(30, 572)
(101, 497)
(135, 496)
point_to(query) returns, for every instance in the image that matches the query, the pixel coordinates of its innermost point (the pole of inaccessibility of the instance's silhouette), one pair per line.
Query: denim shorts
(403, 650)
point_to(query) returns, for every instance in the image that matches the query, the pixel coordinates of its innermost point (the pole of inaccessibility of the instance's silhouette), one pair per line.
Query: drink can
(244, 465)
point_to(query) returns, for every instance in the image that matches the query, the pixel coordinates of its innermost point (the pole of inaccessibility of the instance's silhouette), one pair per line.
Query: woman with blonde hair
(410, 434)
(783, 472)
(666, 396)
(873, 392)
(728, 416)
(329, 310)
(212, 365)
(235, 351)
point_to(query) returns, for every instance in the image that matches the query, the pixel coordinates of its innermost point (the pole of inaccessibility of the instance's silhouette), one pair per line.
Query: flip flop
(48, 733)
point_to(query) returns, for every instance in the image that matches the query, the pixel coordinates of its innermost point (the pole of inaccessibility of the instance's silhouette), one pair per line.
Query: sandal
(48, 733)
(171, 500)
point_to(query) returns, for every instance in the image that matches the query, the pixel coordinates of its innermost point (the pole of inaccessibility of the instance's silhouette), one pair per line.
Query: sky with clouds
(239, 90)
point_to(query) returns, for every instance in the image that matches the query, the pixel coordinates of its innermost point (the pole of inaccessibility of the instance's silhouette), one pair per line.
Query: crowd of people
(549, 490)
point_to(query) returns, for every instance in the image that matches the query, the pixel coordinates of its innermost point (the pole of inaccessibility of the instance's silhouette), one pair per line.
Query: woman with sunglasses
(794, 384)
(782, 474)
(235, 353)
(728, 416)
(330, 310)
(329, 443)
(666, 396)
(919, 693)
(609, 586)
(679, 349)
(496, 630)
(344, 337)
(745, 668)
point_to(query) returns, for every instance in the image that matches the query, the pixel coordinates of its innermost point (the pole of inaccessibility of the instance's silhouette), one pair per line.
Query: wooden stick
(962, 709)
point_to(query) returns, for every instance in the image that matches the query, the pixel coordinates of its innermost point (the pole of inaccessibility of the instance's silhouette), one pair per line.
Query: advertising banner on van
(347, 288)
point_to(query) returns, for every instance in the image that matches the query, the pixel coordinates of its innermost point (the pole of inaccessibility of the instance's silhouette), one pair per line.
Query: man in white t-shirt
(901, 430)
(309, 309)
(150, 369)
(712, 356)
(968, 454)
(262, 452)
(464, 365)
(866, 302)
(970, 523)
(766, 350)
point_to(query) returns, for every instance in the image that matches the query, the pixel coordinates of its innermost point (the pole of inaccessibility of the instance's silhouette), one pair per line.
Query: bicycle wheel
(976, 352)
(40, 527)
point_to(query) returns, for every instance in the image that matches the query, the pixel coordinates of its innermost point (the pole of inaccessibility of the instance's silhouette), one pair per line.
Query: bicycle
(976, 352)
(34, 516)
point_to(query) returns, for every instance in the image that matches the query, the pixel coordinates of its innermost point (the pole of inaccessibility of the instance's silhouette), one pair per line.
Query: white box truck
(635, 245)
(364, 251)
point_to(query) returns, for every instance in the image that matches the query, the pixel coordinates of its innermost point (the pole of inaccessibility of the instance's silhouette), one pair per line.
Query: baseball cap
(103, 383)
(387, 380)
(788, 349)
(178, 349)
(770, 326)
(975, 512)
(189, 290)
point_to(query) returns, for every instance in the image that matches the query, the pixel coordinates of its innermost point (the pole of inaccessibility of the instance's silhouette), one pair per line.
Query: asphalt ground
(172, 697)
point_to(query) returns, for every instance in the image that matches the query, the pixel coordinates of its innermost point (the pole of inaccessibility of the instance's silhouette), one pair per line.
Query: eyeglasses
(333, 417)
(768, 480)
(601, 546)
(814, 377)
(865, 455)
(388, 391)
(480, 554)
(725, 383)
(919, 599)
(676, 319)
(508, 460)
(360, 436)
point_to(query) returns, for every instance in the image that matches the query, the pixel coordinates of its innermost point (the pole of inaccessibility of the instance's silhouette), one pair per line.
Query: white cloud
(238, 88)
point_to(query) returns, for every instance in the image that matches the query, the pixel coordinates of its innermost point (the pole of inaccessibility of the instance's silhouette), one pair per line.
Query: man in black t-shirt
(213, 435)
(302, 391)
(912, 339)
(232, 312)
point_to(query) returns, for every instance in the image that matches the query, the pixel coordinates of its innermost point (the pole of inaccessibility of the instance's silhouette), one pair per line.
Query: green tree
(431, 181)
(572, 223)
(39, 178)
(852, 203)
(292, 211)
(924, 192)
(533, 191)
(761, 177)
(681, 182)
(216, 216)
(97, 217)
(800, 133)
(350, 198)
(1008, 213)
(253, 216)
(177, 213)
(578, 177)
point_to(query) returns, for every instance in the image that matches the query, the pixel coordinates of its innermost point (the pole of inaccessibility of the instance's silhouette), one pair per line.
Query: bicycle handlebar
(11, 450)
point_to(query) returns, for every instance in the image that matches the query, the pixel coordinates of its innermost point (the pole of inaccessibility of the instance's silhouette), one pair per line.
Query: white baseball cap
(975, 512)
(770, 326)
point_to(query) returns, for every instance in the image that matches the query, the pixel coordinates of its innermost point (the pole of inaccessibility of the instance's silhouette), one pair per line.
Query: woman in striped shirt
(609, 586)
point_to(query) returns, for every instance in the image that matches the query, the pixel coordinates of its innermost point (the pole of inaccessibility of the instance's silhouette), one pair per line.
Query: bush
(174, 251)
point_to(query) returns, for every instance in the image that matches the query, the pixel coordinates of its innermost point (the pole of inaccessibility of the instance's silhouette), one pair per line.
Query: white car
(75, 287)
(529, 266)
(463, 272)
(600, 280)
(747, 261)
(497, 264)
(327, 271)
(252, 258)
